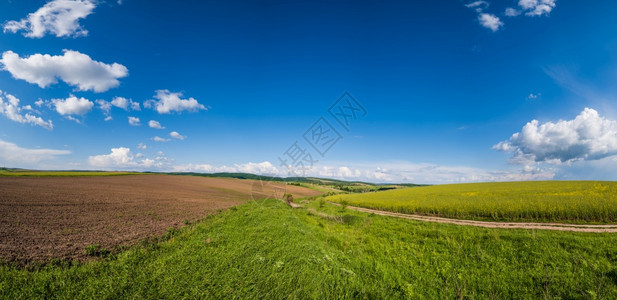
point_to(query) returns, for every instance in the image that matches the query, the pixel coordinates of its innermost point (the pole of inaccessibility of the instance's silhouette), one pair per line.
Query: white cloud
(176, 135)
(533, 96)
(72, 105)
(393, 172)
(105, 106)
(487, 20)
(537, 7)
(160, 139)
(512, 12)
(529, 7)
(257, 168)
(123, 158)
(490, 21)
(9, 106)
(479, 6)
(262, 168)
(12, 153)
(125, 103)
(74, 68)
(57, 17)
(119, 157)
(142, 146)
(134, 121)
(155, 124)
(587, 137)
(425, 173)
(120, 102)
(135, 105)
(168, 102)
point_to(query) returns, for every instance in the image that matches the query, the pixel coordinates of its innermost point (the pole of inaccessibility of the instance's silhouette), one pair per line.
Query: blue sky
(451, 89)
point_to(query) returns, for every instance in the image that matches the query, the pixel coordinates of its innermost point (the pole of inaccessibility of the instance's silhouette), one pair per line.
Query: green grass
(268, 250)
(33, 173)
(556, 201)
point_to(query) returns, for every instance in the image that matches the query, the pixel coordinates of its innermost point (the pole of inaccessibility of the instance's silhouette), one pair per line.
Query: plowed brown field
(57, 217)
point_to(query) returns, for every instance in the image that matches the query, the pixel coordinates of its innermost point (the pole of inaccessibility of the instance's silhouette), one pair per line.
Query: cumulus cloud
(142, 146)
(257, 168)
(537, 7)
(155, 124)
(57, 17)
(119, 157)
(125, 103)
(512, 12)
(74, 68)
(393, 172)
(160, 139)
(589, 136)
(9, 107)
(134, 121)
(424, 173)
(167, 102)
(490, 21)
(262, 168)
(528, 7)
(72, 105)
(176, 135)
(12, 153)
(123, 158)
(105, 106)
(487, 20)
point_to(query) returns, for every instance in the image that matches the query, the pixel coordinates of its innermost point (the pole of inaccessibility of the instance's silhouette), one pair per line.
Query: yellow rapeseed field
(571, 201)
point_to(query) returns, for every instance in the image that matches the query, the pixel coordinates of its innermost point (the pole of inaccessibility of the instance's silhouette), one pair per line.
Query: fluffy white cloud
(167, 102)
(176, 135)
(74, 68)
(537, 7)
(105, 106)
(160, 139)
(487, 20)
(587, 137)
(9, 106)
(123, 158)
(12, 153)
(134, 121)
(72, 105)
(142, 146)
(155, 124)
(257, 168)
(490, 21)
(125, 104)
(57, 17)
(119, 157)
(512, 12)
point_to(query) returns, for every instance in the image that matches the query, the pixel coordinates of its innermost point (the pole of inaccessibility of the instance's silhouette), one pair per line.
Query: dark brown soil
(58, 217)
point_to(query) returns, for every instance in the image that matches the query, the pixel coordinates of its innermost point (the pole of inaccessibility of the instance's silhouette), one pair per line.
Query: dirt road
(486, 224)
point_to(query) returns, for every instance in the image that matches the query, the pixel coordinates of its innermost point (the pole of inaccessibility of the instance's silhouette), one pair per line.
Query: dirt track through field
(57, 217)
(487, 224)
